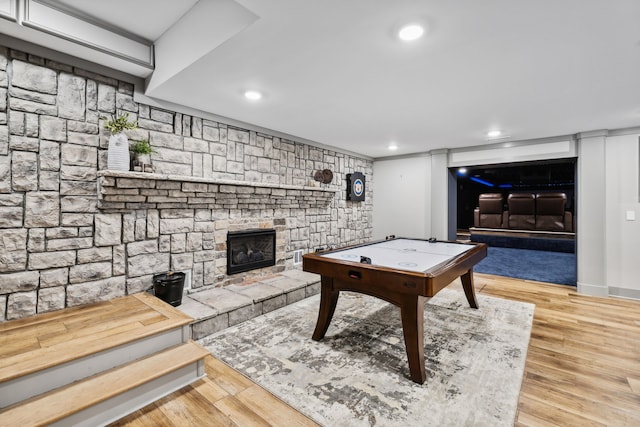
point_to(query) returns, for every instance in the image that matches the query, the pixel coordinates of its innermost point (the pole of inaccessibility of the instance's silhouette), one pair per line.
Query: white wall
(622, 247)
(401, 204)
(404, 204)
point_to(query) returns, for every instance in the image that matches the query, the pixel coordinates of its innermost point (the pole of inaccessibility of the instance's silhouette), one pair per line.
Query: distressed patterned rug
(358, 374)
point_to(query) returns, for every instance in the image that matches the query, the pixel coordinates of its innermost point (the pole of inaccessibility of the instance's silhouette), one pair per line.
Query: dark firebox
(250, 249)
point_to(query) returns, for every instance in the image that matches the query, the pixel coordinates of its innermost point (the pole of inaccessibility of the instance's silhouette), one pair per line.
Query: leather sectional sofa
(525, 211)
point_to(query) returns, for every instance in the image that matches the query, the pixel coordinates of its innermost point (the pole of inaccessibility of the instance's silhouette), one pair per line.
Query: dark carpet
(541, 266)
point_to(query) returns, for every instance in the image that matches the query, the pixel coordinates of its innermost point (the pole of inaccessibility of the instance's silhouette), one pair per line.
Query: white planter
(118, 154)
(143, 159)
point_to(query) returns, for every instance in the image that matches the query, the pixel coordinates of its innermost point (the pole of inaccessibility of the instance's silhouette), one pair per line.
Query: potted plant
(142, 153)
(118, 153)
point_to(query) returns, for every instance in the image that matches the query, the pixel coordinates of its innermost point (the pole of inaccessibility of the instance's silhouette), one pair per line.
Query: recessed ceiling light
(410, 32)
(494, 133)
(253, 95)
(393, 146)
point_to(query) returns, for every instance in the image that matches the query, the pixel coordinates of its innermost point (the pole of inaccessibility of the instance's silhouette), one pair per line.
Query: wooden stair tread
(43, 341)
(65, 401)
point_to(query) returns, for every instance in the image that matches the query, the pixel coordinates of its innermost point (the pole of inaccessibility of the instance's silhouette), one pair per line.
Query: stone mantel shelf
(126, 191)
(184, 178)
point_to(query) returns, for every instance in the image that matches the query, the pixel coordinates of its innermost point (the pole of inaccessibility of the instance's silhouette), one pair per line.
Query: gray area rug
(358, 374)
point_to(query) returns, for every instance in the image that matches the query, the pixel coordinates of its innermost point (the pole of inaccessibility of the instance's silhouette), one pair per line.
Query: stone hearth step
(218, 308)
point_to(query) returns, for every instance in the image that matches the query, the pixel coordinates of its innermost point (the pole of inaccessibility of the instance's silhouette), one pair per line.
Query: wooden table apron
(406, 289)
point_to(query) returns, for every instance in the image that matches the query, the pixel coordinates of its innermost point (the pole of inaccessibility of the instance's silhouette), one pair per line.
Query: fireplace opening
(250, 249)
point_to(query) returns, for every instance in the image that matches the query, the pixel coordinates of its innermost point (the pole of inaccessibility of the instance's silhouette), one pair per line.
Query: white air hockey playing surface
(404, 254)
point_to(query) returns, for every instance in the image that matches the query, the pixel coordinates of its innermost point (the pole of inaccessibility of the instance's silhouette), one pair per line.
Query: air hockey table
(405, 272)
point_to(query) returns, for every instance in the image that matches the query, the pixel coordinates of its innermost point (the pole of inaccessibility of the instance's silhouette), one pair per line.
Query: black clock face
(356, 186)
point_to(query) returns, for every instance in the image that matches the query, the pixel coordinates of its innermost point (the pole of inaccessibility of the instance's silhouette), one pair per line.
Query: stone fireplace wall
(71, 233)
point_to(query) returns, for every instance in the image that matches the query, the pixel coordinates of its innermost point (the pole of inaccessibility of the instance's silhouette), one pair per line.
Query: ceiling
(334, 72)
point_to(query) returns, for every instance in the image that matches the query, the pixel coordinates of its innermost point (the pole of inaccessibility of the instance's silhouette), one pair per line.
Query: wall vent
(297, 257)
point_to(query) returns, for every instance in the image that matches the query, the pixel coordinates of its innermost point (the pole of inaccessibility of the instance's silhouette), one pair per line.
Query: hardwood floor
(583, 369)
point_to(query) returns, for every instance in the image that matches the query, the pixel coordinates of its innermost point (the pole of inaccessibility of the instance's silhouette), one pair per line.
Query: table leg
(469, 289)
(328, 301)
(412, 313)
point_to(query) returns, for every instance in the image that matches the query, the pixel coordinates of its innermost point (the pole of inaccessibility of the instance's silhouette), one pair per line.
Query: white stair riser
(119, 406)
(37, 383)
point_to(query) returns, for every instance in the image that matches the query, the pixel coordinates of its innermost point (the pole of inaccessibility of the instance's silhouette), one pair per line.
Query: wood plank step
(74, 398)
(43, 341)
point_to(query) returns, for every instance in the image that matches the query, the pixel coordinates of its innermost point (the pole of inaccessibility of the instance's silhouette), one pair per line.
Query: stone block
(83, 139)
(72, 243)
(106, 98)
(222, 300)
(141, 228)
(312, 289)
(23, 143)
(244, 313)
(108, 229)
(164, 243)
(3, 99)
(167, 140)
(77, 155)
(21, 305)
(181, 262)
(50, 299)
(274, 303)
(19, 282)
(144, 247)
(18, 104)
(155, 126)
(100, 290)
(49, 180)
(42, 209)
(153, 223)
(140, 265)
(53, 128)
(162, 116)
(238, 135)
(44, 260)
(125, 102)
(34, 77)
(78, 204)
(194, 242)
(17, 123)
(61, 232)
(209, 326)
(139, 284)
(11, 217)
(36, 240)
(79, 173)
(296, 295)
(92, 95)
(196, 145)
(77, 188)
(196, 127)
(43, 98)
(119, 262)
(175, 225)
(71, 96)
(128, 228)
(5, 174)
(258, 291)
(89, 272)
(24, 171)
(178, 242)
(54, 277)
(73, 219)
(49, 155)
(13, 249)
